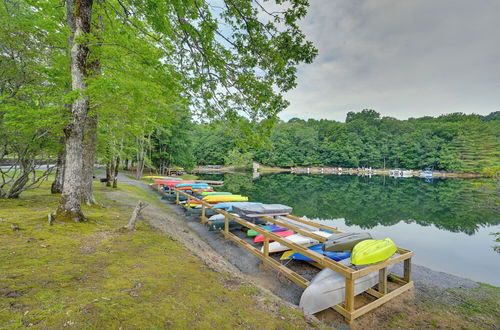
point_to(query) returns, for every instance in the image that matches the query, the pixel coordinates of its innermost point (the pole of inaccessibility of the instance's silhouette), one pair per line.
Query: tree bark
(115, 174)
(109, 169)
(57, 185)
(79, 20)
(135, 215)
(89, 150)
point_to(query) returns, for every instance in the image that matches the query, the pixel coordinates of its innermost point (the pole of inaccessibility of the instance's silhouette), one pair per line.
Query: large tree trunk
(70, 205)
(109, 170)
(57, 185)
(89, 150)
(115, 174)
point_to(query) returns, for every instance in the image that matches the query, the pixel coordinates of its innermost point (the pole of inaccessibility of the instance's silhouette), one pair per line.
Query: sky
(401, 58)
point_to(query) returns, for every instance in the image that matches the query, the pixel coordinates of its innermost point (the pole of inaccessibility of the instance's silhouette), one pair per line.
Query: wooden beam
(299, 280)
(349, 295)
(313, 224)
(295, 228)
(407, 270)
(382, 280)
(374, 304)
(375, 267)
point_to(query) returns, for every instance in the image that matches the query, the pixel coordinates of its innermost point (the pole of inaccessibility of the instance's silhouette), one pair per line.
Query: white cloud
(401, 58)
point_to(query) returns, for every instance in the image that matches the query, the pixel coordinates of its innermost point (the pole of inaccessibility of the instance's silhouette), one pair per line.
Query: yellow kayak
(371, 251)
(225, 198)
(154, 177)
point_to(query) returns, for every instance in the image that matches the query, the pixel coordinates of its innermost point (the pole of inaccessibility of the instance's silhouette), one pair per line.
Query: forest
(121, 82)
(452, 142)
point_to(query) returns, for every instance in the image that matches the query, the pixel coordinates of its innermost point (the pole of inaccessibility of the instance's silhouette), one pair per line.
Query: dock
(348, 309)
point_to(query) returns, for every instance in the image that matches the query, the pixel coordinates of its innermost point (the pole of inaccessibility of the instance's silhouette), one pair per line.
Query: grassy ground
(95, 275)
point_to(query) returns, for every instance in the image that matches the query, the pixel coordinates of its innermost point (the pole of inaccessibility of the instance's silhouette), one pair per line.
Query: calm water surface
(447, 223)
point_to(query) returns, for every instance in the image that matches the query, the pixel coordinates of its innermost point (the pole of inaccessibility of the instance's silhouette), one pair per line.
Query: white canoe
(327, 288)
(297, 239)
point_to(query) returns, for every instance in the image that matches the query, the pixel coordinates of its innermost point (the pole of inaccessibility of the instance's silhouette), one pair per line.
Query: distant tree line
(452, 142)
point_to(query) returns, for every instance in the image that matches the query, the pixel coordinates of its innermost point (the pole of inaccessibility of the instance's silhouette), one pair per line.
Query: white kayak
(327, 288)
(297, 239)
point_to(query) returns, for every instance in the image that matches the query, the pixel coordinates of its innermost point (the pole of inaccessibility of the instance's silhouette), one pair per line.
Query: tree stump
(135, 215)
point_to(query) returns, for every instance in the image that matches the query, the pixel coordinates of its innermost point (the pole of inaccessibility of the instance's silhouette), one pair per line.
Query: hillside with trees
(453, 142)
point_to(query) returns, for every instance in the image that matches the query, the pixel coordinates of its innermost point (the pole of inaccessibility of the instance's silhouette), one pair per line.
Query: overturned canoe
(191, 184)
(327, 289)
(260, 238)
(344, 241)
(318, 248)
(210, 193)
(262, 210)
(272, 228)
(297, 239)
(228, 206)
(224, 198)
(218, 223)
(373, 251)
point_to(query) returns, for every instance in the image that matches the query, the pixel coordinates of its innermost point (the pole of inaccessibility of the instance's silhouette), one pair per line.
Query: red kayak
(260, 238)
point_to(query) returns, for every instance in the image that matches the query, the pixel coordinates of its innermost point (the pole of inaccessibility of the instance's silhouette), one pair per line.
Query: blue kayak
(318, 248)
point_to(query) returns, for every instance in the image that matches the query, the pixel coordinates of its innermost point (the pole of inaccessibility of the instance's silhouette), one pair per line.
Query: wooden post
(266, 245)
(382, 280)
(226, 224)
(177, 198)
(349, 295)
(202, 212)
(159, 187)
(407, 270)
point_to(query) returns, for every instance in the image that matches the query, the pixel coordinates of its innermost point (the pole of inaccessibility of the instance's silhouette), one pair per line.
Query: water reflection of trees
(453, 205)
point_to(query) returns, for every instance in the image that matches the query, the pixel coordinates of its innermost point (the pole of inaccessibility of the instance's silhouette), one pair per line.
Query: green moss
(93, 275)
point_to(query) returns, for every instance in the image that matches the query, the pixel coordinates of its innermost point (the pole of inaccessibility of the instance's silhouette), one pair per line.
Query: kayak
(327, 288)
(260, 238)
(262, 210)
(344, 241)
(297, 239)
(272, 227)
(372, 251)
(218, 224)
(191, 184)
(318, 248)
(228, 206)
(210, 193)
(225, 198)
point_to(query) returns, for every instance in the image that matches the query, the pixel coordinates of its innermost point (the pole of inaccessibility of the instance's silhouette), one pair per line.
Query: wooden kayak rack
(347, 308)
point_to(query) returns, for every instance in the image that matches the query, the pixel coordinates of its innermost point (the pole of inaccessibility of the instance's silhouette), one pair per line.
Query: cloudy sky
(402, 58)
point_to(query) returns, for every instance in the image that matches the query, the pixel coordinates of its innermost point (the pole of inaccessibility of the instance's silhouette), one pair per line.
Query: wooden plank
(382, 280)
(349, 295)
(374, 304)
(313, 224)
(323, 260)
(368, 270)
(299, 280)
(295, 228)
(374, 293)
(407, 270)
(266, 245)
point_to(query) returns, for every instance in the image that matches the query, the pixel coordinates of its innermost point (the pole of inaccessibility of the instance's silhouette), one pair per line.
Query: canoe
(175, 183)
(372, 251)
(228, 206)
(272, 227)
(318, 248)
(327, 288)
(262, 210)
(190, 184)
(225, 198)
(344, 241)
(218, 224)
(260, 238)
(298, 239)
(210, 193)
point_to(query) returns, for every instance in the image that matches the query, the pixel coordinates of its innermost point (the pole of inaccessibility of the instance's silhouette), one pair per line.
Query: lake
(447, 223)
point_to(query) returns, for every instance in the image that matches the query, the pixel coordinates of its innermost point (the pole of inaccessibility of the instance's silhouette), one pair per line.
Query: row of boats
(355, 250)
